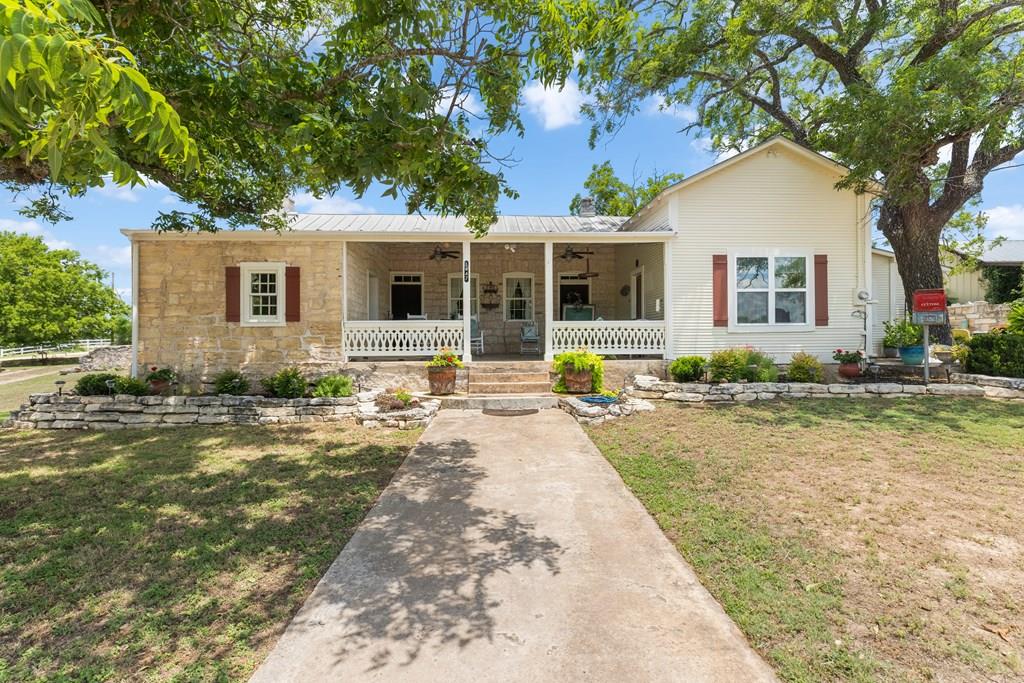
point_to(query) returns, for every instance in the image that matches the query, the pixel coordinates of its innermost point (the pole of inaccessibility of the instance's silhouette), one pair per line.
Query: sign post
(929, 309)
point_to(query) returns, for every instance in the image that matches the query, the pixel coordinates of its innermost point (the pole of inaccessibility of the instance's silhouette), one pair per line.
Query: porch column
(549, 291)
(467, 306)
(344, 298)
(666, 253)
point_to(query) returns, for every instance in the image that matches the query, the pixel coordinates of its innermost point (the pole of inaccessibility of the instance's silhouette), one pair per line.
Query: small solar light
(60, 386)
(110, 386)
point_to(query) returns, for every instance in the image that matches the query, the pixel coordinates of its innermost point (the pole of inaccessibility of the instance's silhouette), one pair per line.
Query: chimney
(587, 207)
(288, 205)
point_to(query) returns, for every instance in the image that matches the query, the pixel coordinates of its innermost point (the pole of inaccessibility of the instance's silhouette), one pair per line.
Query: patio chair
(529, 338)
(476, 336)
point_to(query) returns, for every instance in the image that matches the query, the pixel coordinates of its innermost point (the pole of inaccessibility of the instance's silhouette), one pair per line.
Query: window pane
(752, 272)
(752, 308)
(791, 307)
(791, 272)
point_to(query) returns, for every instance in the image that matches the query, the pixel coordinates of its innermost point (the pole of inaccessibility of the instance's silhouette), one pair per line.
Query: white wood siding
(649, 256)
(771, 200)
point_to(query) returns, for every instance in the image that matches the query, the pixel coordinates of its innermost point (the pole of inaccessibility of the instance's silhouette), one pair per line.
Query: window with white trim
(262, 293)
(518, 296)
(455, 296)
(770, 289)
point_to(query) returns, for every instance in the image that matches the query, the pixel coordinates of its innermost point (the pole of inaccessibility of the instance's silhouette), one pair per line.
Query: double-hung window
(771, 288)
(455, 296)
(518, 296)
(262, 293)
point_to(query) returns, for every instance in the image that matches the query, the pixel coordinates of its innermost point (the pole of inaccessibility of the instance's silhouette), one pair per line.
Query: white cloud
(169, 199)
(1006, 221)
(126, 193)
(656, 106)
(30, 227)
(119, 256)
(555, 108)
(307, 203)
(704, 146)
(466, 100)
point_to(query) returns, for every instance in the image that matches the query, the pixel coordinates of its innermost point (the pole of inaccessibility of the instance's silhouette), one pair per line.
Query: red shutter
(292, 294)
(233, 294)
(821, 290)
(720, 289)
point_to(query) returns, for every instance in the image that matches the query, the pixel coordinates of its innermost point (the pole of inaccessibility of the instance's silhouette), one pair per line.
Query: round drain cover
(509, 413)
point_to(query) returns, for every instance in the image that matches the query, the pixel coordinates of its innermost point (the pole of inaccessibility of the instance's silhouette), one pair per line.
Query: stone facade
(106, 358)
(50, 411)
(980, 317)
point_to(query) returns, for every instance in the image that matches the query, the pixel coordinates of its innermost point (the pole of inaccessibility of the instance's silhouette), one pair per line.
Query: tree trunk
(915, 240)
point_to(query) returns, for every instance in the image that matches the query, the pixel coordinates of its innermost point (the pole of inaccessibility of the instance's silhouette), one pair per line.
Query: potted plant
(907, 337)
(159, 379)
(441, 372)
(890, 342)
(849, 362)
(579, 372)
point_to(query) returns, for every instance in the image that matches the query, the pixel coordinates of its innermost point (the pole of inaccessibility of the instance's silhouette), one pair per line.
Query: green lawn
(851, 540)
(13, 394)
(172, 554)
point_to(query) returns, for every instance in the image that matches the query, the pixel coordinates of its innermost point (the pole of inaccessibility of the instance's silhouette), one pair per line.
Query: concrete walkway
(507, 549)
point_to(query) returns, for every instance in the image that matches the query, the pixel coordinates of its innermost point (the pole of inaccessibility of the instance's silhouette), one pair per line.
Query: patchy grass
(172, 554)
(14, 393)
(851, 540)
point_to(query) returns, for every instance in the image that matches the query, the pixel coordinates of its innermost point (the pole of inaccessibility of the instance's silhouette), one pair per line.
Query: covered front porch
(531, 297)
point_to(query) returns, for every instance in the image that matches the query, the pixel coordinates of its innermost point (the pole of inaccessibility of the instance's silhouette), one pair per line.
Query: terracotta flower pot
(578, 382)
(442, 380)
(159, 386)
(849, 370)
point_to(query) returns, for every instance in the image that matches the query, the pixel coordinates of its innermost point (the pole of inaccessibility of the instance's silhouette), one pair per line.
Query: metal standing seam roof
(1009, 252)
(400, 223)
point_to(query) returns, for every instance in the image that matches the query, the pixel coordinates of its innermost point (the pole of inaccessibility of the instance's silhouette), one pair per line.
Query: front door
(572, 291)
(638, 295)
(406, 295)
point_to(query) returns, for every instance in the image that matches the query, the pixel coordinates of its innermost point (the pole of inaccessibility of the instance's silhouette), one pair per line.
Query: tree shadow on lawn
(172, 552)
(416, 574)
(905, 414)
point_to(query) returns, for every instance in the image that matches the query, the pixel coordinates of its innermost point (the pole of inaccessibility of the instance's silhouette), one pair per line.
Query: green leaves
(613, 197)
(69, 95)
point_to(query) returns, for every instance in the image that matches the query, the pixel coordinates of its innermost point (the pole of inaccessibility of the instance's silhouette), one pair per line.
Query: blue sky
(552, 160)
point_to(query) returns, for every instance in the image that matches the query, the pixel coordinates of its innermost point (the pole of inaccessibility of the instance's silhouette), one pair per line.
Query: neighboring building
(760, 249)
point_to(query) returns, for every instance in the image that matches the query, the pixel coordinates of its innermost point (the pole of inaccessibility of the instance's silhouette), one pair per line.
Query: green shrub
(1000, 354)
(803, 367)
(742, 363)
(231, 382)
(130, 385)
(94, 384)
(902, 333)
(333, 386)
(1015, 318)
(579, 360)
(687, 368)
(286, 383)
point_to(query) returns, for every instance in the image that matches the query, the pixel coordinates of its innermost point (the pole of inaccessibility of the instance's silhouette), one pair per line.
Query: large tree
(52, 295)
(890, 89)
(275, 95)
(613, 196)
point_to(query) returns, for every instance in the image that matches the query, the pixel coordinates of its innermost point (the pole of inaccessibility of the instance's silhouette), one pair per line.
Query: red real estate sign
(929, 300)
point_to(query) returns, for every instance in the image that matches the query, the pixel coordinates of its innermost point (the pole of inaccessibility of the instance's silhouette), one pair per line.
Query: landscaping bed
(172, 555)
(850, 540)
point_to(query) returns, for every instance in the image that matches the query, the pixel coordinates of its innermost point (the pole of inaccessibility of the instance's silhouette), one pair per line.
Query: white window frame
(250, 268)
(505, 298)
(771, 325)
(408, 273)
(474, 283)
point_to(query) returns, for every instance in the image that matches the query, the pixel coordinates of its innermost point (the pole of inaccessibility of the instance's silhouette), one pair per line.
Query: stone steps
(530, 377)
(503, 402)
(477, 386)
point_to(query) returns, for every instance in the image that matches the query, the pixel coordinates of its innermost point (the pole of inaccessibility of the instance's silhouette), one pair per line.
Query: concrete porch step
(509, 366)
(537, 402)
(487, 387)
(476, 376)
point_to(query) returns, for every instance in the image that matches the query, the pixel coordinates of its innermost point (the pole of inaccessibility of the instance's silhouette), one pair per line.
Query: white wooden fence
(401, 337)
(611, 337)
(87, 344)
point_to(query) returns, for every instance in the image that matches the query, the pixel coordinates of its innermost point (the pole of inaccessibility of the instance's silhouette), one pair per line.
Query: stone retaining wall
(590, 413)
(50, 411)
(995, 387)
(980, 317)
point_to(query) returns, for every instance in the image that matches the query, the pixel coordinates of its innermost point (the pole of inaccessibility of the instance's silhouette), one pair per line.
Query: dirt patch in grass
(172, 554)
(850, 539)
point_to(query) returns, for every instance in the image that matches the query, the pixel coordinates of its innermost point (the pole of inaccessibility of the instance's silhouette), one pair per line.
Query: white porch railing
(613, 337)
(401, 337)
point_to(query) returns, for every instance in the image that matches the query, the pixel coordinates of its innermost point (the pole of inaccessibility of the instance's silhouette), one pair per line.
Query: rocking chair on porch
(476, 336)
(529, 338)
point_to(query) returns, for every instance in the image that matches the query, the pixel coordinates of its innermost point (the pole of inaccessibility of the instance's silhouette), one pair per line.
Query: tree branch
(946, 34)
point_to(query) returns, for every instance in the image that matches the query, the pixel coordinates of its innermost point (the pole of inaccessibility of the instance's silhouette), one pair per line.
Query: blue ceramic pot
(912, 355)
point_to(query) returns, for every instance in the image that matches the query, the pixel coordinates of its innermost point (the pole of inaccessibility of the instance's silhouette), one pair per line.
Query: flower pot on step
(912, 355)
(578, 382)
(442, 380)
(849, 370)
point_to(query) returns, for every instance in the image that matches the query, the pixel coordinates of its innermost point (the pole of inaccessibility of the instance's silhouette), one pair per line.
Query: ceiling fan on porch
(441, 253)
(571, 253)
